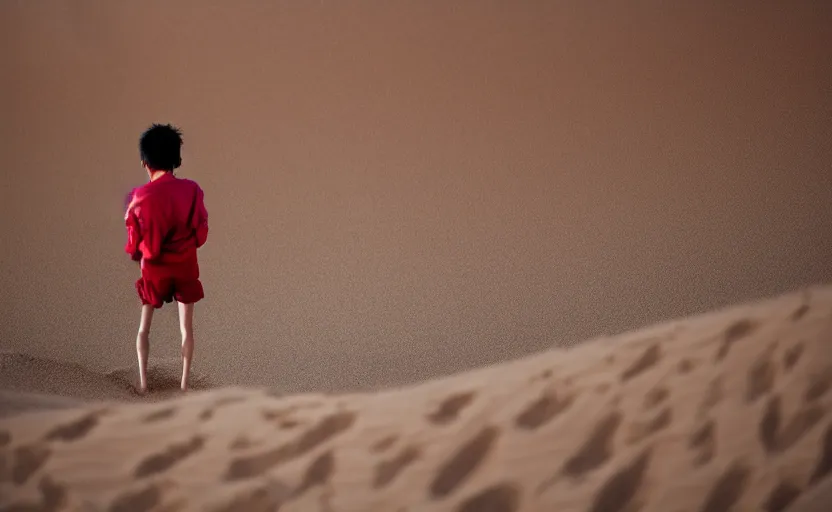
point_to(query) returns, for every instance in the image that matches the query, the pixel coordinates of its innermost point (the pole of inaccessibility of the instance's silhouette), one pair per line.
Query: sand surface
(48, 382)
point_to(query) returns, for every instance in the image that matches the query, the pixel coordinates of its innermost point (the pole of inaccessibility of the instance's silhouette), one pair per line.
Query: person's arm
(134, 235)
(144, 236)
(200, 219)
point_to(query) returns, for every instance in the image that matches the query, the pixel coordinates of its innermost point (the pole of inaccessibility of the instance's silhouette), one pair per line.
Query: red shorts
(157, 287)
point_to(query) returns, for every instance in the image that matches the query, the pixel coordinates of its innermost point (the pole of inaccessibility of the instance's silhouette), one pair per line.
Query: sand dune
(729, 410)
(403, 192)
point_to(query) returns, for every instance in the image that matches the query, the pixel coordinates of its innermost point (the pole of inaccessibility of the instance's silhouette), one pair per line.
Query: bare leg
(143, 345)
(186, 326)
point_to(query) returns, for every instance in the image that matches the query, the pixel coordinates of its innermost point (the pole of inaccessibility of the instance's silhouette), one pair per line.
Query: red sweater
(166, 221)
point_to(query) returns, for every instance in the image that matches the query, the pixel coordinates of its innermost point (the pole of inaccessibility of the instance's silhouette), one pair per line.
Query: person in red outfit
(166, 223)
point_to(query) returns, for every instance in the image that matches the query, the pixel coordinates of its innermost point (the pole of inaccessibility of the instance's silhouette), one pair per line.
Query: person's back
(166, 223)
(174, 219)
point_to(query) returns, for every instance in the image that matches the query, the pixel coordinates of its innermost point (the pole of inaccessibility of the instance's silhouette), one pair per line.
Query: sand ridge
(728, 410)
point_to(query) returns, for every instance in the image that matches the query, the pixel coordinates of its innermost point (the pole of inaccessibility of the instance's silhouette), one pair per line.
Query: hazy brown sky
(403, 189)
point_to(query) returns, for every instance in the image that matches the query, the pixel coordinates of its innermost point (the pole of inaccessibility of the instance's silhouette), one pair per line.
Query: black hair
(159, 147)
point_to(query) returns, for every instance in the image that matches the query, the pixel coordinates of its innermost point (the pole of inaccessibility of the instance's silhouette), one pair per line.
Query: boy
(166, 223)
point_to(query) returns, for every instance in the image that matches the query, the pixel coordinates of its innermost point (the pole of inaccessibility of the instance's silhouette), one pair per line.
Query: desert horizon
(401, 192)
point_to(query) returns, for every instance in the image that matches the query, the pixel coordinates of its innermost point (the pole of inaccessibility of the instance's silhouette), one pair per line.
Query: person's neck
(155, 175)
